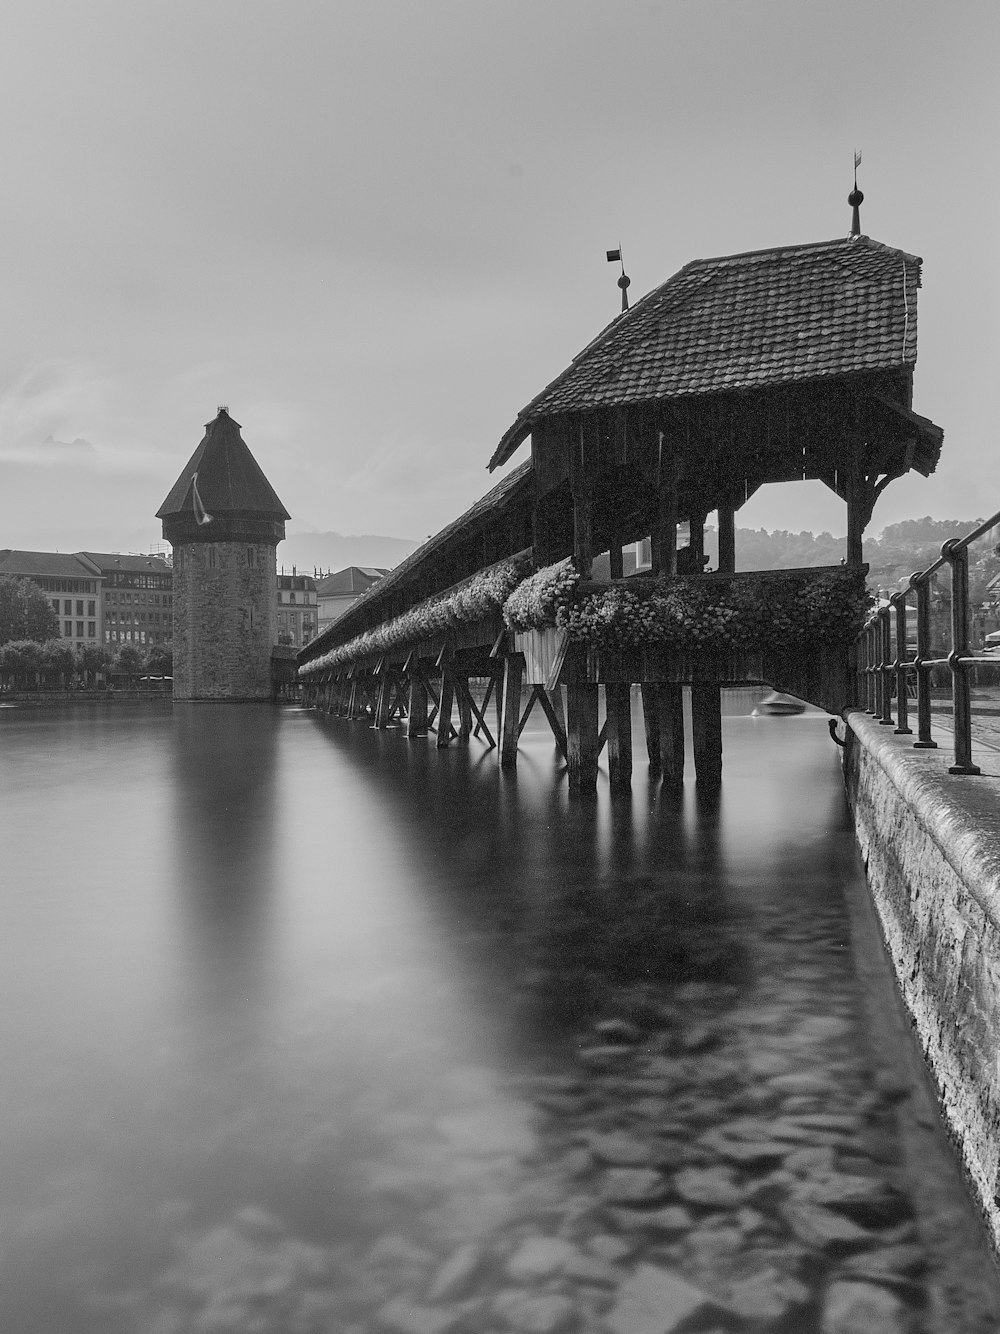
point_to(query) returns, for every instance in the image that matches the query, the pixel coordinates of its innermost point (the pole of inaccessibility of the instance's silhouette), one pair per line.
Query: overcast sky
(376, 230)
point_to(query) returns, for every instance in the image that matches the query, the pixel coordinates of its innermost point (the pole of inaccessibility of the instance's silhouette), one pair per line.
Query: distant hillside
(335, 551)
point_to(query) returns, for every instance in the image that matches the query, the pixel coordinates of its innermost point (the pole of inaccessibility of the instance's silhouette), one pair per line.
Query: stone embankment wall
(931, 846)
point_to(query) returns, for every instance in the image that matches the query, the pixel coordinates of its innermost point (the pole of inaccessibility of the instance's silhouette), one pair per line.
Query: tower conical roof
(229, 478)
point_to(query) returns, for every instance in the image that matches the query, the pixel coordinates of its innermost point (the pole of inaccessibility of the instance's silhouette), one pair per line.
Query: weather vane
(615, 257)
(856, 198)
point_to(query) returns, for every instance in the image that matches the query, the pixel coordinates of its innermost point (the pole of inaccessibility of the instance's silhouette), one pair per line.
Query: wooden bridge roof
(765, 318)
(511, 488)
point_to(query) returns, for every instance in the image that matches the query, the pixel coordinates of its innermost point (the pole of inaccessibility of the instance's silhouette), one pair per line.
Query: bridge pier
(510, 709)
(706, 721)
(416, 713)
(582, 737)
(618, 722)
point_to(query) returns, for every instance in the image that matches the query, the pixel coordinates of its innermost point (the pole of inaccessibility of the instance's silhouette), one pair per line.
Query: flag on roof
(200, 513)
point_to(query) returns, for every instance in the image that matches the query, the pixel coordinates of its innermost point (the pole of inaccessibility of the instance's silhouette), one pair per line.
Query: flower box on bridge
(821, 675)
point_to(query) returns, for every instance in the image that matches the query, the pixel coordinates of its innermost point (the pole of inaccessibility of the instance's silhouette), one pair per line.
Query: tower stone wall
(225, 619)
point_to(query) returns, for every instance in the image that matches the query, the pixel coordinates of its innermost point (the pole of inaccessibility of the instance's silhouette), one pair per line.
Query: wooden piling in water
(582, 737)
(416, 713)
(510, 708)
(670, 711)
(463, 699)
(706, 722)
(618, 722)
(444, 727)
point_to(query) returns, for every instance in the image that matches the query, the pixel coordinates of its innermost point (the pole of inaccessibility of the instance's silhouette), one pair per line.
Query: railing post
(871, 682)
(903, 728)
(957, 556)
(884, 647)
(923, 590)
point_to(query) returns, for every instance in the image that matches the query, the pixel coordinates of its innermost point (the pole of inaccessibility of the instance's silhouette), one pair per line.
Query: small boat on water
(777, 703)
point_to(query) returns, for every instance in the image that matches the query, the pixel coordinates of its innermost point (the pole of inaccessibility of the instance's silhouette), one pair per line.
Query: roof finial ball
(856, 198)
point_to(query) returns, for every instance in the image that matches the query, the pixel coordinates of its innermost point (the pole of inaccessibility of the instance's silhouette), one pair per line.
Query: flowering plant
(482, 595)
(535, 602)
(690, 614)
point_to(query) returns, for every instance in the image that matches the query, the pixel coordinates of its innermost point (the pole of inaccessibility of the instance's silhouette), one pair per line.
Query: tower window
(251, 557)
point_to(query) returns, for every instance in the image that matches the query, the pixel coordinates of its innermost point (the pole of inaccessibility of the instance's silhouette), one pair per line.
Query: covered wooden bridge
(772, 366)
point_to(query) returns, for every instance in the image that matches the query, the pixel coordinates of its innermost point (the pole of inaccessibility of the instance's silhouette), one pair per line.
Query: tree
(93, 659)
(160, 659)
(128, 661)
(20, 662)
(58, 662)
(25, 611)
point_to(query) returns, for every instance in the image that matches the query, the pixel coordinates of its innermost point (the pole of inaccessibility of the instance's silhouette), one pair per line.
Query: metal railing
(886, 670)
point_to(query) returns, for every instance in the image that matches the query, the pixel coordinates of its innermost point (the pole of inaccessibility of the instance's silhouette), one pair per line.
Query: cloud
(68, 446)
(48, 402)
(49, 412)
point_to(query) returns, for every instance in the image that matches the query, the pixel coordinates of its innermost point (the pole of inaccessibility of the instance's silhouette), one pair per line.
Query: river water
(307, 1028)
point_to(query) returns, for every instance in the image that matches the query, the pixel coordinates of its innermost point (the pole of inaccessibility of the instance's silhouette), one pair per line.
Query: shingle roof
(55, 563)
(117, 560)
(353, 580)
(767, 317)
(230, 479)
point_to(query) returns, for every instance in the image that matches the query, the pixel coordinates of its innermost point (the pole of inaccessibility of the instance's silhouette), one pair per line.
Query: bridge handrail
(884, 658)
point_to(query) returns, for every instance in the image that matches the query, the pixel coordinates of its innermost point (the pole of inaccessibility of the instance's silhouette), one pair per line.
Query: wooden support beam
(527, 711)
(510, 709)
(382, 701)
(463, 688)
(727, 536)
(463, 698)
(860, 502)
(549, 709)
(670, 701)
(444, 727)
(663, 539)
(481, 713)
(696, 543)
(651, 724)
(416, 720)
(618, 722)
(671, 710)
(617, 560)
(706, 720)
(582, 736)
(583, 527)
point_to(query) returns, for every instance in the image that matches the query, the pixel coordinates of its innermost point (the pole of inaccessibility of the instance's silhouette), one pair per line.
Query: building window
(67, 608)
(91, 608)
(79, 629)
(55, 605)
(291, 597)
(91, 630)
(79, 606)
(67, 629)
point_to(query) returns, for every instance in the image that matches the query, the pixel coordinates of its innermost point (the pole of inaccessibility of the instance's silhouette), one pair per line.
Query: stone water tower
(224, 522)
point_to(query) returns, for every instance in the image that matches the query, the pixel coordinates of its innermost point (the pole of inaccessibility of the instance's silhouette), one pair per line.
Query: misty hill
(335, 551)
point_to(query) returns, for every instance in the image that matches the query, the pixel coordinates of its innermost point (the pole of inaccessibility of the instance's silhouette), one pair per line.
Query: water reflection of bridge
(773, 366)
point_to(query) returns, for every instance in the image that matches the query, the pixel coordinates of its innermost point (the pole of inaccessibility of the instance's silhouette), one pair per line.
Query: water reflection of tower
(224, 522)
(225, 831)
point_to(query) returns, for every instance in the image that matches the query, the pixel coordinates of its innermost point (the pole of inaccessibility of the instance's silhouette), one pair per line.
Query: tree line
(32, 652)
